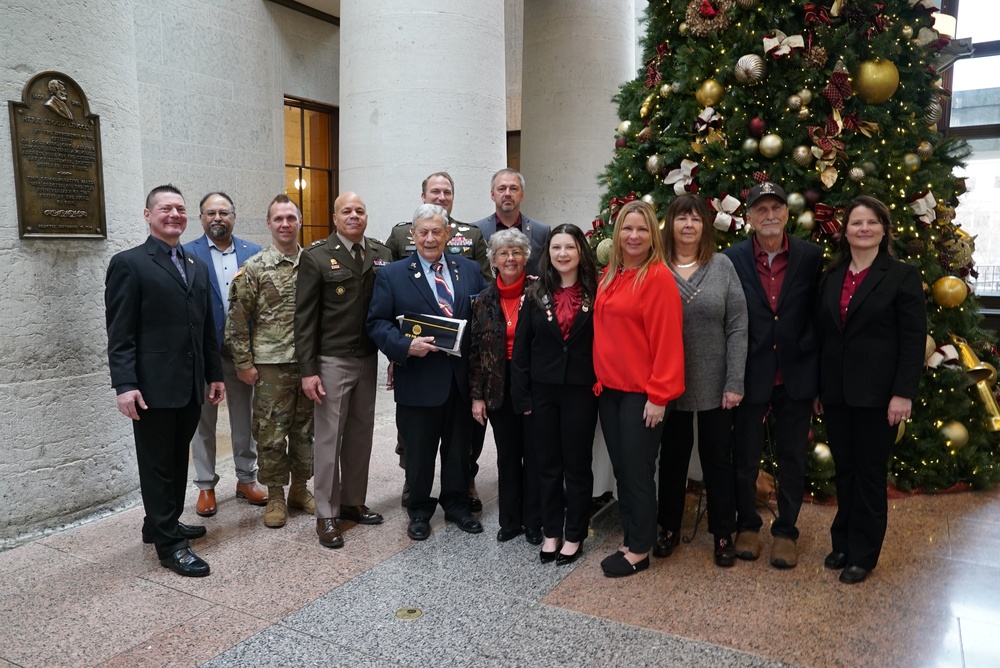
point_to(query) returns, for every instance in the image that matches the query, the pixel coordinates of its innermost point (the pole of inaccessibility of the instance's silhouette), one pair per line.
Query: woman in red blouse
(639, 362)
(872, 320)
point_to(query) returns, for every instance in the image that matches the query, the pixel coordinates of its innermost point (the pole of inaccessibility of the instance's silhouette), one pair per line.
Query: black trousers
(562, 424)
(791, 435)
(517, 467)
(423, 428)
(715, 450)
(632, 447)
(162, 447)
(477, 435)
(860, 440)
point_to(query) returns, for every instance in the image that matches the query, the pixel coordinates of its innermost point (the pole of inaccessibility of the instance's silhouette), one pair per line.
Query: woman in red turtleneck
(494, 319)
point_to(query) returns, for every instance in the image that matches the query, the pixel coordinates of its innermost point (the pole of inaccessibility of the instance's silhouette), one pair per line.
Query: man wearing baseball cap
(779, 274)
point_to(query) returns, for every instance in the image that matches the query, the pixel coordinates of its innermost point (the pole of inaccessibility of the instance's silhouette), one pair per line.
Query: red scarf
(510, 305)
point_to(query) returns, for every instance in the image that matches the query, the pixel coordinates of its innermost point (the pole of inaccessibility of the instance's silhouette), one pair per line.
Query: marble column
(421, 90)
(576, 55)
(65, 452)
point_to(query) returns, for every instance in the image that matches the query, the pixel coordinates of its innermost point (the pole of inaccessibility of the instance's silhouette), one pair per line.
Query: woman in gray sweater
(715, 350)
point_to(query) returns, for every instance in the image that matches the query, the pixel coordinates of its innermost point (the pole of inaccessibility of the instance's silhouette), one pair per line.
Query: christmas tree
(831, 99)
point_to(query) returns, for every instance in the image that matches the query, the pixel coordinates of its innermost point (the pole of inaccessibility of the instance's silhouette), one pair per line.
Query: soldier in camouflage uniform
(263, 293)
(463, 239)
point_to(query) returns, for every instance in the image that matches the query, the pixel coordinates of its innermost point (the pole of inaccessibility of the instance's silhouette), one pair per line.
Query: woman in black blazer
(552, 379)
(872, 321)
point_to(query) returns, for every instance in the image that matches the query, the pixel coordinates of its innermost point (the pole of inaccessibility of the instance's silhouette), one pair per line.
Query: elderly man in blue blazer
(224, 254)
(431, 387)
(779, 274)
(507, 192)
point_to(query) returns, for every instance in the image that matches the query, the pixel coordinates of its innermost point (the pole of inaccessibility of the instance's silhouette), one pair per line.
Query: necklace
(685, 266)
(509, 316)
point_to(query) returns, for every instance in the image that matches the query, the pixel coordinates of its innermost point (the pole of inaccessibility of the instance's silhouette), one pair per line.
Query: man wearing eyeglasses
(224, 254)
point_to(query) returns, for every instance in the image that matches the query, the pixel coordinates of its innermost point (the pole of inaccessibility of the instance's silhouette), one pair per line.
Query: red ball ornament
(812, 197)
(757, 127)
(621, 142)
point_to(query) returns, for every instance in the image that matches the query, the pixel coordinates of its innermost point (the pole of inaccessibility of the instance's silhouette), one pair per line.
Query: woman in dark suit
(552, 379)
(495, 315)
(872, 320)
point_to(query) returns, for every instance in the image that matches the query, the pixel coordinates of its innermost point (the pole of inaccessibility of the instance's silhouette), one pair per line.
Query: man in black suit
(779, 274)
(162, 350)
(431, 387)
(507, 193)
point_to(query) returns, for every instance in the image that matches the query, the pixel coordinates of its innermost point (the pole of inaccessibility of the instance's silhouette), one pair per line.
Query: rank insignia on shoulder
(317, 242)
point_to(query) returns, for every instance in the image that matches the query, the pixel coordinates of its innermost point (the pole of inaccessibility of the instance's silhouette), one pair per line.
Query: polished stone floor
(94, 595)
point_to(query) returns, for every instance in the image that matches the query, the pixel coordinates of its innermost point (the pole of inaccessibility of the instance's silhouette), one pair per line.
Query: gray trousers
(239, 399)
(343, 423)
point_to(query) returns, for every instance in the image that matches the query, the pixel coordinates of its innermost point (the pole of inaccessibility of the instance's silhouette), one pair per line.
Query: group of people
(671, 338)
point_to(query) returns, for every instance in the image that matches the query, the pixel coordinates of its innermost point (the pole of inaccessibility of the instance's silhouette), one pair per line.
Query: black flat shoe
(854, 574)
(566, 559)
(503, 535)
(622, 568)
(835, 560)
(187, 563)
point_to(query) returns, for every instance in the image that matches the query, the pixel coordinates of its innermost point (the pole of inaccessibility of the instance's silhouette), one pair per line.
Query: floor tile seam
(707, 643)
(478, 654)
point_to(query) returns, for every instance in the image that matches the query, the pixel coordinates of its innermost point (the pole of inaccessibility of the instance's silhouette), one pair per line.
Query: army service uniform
(263, 293)
(334, 290)
(464, 239)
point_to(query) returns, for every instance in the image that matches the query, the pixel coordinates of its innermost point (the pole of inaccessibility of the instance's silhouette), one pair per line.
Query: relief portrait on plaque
(58, 171)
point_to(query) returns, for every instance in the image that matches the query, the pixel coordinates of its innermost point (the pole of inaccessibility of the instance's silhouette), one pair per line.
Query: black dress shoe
(854, 574)
(725, 552)
(418, 529)
(835, 560)
(621, 568)
(360, 514)
(508, 534)
(566, 559)
(468, 523)
(666, 541)
(187, 563)
(185, 531)
(533, 536)
(329, 533)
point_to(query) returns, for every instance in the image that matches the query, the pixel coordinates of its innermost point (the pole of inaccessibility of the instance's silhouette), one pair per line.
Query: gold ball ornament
(806, 220)
(751, 146)
(623, 128)
(911, 162)
(682, 28)
(900, 430)
(869, 167)
(665, 90)
(949, 291)
(806, 95)
(907, 32)
(749, 70)
(653, 164)
(794, 102)
(804, 113)
(802, 155)
(710, 93)
(604, 250)
(856, 174)
(932, 112)
(929, 347)
(771, 145)
(822, 453)
(796, 203)
(875, 81)
(955, 434)
(925, 150)
(648, 199)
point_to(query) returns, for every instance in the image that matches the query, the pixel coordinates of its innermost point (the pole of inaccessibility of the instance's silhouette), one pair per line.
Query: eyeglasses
(224, 213)
(506, 255)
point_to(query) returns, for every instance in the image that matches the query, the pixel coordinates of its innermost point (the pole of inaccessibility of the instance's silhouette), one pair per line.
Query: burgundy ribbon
(827, 217)
(838, 90)
(817, 14)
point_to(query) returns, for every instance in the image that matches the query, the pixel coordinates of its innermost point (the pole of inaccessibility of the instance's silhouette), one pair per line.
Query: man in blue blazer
(779, 274)
(507, 193)
(431, 387)
(224, 254)
(162, 351)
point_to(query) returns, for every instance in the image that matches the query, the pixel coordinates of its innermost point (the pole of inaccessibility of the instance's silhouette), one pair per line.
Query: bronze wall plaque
(58, 172)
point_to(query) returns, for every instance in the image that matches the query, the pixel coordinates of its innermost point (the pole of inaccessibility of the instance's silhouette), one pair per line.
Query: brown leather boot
(276, 513)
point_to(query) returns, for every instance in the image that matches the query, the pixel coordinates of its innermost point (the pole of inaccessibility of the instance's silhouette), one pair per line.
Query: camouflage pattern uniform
(263, 293)
(464, 239)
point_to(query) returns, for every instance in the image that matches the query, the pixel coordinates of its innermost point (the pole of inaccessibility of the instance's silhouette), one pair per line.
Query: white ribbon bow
(725, 220)
(923, 208)
(779, 44)
(682, 176)
(706, 120)
(946, 354)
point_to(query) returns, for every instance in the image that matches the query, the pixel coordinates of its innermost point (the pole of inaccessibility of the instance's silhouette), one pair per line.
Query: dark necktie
(445, 300)
(359, 255)
(176, 259)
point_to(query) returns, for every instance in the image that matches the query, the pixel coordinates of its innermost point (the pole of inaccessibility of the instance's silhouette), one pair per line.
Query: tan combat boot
(299, 496)
(276, 513)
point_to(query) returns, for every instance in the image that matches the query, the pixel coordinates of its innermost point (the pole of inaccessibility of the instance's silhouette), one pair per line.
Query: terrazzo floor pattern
(94, 595)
